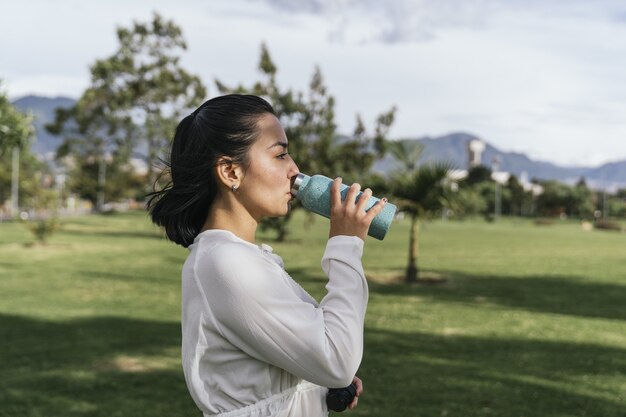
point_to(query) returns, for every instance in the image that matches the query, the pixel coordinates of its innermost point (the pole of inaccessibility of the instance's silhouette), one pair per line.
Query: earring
(233, 188)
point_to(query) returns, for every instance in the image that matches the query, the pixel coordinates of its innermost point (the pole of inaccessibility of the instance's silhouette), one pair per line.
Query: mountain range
(42, 108)
(451, 148)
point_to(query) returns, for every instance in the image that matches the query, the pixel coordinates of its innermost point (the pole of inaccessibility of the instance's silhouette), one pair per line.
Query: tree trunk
(412, 273)
(15, 182)
(282, 231)
(151, 174)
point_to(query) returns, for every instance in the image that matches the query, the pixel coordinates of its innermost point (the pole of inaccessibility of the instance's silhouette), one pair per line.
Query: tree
(518, 197)
(15, 127)
(582, 200)
(407, 152)
(309, 123)
(15, 132)
(420, 192)
(478, 173)
(467, 202)
(93, 145)
(558, 198)
(24, 171)
(136, 98)
(145, 85)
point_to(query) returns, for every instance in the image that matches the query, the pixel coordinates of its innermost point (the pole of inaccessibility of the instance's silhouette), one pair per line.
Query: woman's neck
(235, 220)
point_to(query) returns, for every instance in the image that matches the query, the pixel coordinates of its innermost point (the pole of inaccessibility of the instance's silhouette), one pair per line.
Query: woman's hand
(349, 218)
(359, 389)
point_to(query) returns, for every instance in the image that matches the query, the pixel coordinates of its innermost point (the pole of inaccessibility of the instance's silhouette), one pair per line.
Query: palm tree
(407, 152)
(420, 192)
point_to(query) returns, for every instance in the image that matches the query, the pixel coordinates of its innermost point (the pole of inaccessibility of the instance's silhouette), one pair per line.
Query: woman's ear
(228, 173)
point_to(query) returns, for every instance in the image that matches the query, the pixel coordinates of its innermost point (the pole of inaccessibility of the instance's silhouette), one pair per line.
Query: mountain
(43, 109)
(451, 148)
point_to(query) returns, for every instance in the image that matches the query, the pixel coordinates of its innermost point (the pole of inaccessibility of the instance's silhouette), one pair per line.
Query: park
(498, 291)
(511, 318)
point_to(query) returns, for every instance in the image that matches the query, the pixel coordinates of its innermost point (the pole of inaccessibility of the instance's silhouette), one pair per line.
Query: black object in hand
(338, 399)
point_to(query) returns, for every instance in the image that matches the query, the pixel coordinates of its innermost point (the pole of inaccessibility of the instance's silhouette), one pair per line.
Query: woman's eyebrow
(279, 143)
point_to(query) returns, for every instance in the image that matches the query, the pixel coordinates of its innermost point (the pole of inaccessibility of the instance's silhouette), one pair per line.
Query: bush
(44, 220)
(43, 228)
(606, 225)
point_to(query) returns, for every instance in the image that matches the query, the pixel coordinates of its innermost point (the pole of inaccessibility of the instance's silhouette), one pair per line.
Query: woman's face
(265, 188)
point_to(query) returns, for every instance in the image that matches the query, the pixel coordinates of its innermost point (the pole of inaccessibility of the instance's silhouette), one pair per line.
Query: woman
(254, 342)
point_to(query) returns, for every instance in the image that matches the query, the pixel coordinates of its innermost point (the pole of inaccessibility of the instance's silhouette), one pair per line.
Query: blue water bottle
(314, 194)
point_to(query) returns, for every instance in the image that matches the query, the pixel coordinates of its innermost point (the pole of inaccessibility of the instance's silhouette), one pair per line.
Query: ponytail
(181, 211)
(222, 126)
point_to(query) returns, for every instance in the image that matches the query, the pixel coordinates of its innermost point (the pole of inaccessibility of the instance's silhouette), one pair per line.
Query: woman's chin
(279, 213)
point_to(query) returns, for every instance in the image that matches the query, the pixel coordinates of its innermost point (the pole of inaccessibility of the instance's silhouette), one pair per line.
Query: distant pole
(101, 183)
(497, 210)
(498, 202)
(15, 180)
(605, 207)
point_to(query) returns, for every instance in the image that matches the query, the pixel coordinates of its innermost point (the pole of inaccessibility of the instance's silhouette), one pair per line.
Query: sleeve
(257, 310)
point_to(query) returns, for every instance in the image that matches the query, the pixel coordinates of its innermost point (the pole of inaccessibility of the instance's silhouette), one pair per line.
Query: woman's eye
(282, 155)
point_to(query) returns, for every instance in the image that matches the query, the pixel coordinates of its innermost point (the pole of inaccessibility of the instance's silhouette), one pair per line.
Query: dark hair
(224, 126)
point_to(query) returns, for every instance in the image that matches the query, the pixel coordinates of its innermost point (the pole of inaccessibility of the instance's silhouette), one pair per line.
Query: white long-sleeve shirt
(254, 342)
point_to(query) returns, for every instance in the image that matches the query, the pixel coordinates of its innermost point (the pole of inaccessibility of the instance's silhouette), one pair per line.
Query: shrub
(43, 228)
(607, 225)
(44, 220)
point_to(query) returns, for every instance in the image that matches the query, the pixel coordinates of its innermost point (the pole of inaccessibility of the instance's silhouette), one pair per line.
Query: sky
(543, 77)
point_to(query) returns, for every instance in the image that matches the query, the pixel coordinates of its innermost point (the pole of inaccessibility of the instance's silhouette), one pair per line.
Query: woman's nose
(293, 170)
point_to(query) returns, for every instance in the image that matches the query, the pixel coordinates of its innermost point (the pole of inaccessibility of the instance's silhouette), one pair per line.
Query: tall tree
(135, 99)
(15, 132)
(519, 200)
(93, 144)
(145, 84)
(420, 192)
(559, 199)
(407, 152)
(15, 127)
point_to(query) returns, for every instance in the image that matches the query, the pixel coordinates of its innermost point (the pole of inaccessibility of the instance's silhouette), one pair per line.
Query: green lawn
(518, 320)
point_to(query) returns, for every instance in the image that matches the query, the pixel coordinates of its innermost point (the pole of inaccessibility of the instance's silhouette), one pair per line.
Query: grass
(526, 320)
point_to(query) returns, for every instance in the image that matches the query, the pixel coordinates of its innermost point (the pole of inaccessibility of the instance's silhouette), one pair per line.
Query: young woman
(254, 342)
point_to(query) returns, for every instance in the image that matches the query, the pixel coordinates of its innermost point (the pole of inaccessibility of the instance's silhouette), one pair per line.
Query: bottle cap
(297, 183)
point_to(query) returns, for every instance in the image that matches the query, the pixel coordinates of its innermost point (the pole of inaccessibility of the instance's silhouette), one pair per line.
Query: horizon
(419, 138)
(542, 78)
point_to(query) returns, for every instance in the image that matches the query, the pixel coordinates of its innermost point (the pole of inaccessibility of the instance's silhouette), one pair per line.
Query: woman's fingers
(376, 208)
(359, 389)
(353, 191)
(335, 193)
(354, 403)
(351, 217)
(363, 199)
(359, 385)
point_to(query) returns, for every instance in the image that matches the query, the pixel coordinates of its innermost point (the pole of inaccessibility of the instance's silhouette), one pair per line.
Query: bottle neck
(298, 183)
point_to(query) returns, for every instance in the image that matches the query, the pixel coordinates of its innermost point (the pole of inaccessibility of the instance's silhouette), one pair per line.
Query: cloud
(395, 21)
(402, 21)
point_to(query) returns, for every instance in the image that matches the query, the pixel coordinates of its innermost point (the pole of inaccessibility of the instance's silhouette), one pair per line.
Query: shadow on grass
(419, 374)
(102, 366)
(567, 295)
(573, 296)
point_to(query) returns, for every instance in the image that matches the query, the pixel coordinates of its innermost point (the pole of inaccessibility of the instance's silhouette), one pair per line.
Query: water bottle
(314, 194)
